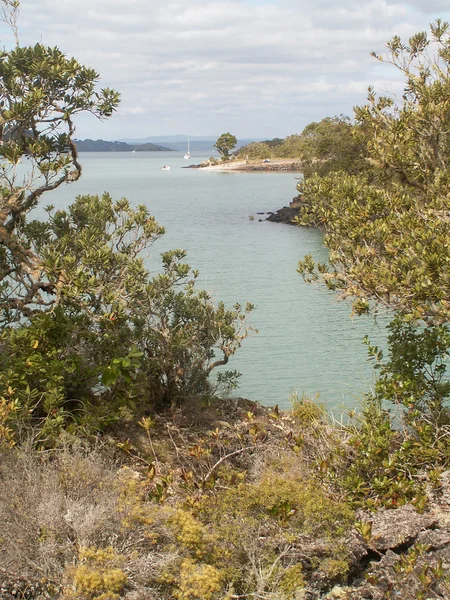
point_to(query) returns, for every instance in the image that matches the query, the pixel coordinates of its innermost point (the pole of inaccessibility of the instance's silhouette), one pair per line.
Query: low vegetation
(224, 501)
(193, 510)
(123, 474)
(388, 232)
(333, 144)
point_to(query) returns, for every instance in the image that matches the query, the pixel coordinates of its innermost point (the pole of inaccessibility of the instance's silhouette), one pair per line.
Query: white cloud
(132, 110)
(266, 67)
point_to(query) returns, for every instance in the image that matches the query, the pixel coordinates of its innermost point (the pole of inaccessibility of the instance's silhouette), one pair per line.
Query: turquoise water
(307, 341)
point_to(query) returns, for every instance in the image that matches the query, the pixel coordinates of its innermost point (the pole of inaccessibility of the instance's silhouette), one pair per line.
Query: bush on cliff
(86, 328)
(388, 233)
(332, 144)
(227, 510)
(111, 334)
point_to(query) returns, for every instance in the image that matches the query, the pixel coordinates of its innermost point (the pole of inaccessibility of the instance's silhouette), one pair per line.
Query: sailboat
(188, 155)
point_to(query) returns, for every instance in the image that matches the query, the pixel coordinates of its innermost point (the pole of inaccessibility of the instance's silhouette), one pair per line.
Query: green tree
(389, 236)
(292, 147)
(41, 92)
(112, 334)
(255, 150)
(388, 232)
(225, 143)
(86, 328)
(333, 144)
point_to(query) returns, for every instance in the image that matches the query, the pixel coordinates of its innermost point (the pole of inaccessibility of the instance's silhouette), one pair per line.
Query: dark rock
(396, 527)
(283, 215)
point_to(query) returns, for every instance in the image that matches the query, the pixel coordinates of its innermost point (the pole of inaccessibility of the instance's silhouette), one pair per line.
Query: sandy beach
(277, 164)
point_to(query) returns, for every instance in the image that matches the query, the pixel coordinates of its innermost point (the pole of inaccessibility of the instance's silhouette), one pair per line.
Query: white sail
(188, 155)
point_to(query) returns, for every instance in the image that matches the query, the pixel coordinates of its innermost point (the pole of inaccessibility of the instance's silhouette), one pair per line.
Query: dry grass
(55, 506)
(85, 518)
(50, 506)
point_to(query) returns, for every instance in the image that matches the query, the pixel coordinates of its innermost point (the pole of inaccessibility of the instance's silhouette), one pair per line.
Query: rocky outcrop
(286, 214)
(407, 556)
(283, 215)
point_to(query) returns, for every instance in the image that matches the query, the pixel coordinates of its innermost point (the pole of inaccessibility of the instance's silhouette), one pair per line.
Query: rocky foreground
(214, 502)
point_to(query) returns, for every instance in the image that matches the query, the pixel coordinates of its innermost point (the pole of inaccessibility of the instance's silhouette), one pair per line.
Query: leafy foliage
(415, 375)
(41, 91)
(87, 328)
(141, 338)
(388, 232)
(225, 143)
(380, 469)
(332, 144)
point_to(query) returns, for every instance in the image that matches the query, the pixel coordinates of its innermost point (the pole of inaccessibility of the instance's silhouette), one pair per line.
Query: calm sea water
(307, 342)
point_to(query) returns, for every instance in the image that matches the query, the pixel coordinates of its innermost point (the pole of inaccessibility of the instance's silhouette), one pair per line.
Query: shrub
(306, 411)
(8, 408)
(198, 581)
(97, 576)
(114, 335)
(259, 526)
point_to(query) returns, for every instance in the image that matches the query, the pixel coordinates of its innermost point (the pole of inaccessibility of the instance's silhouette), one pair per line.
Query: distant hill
(170, 139)
(203, 144)
(104, 146)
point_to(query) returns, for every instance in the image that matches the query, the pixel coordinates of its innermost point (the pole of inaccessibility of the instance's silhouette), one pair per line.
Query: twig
(220, 461)
(133, 455)
(174, 445)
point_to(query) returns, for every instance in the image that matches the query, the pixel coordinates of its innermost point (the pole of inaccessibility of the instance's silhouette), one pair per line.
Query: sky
(256, 68)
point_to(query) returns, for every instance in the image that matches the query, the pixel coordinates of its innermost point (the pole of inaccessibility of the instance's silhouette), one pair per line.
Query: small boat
(187, 156)
(166, 168)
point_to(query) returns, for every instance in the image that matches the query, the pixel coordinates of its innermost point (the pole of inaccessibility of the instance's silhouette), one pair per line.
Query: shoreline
(285, 214)
(275, 165)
